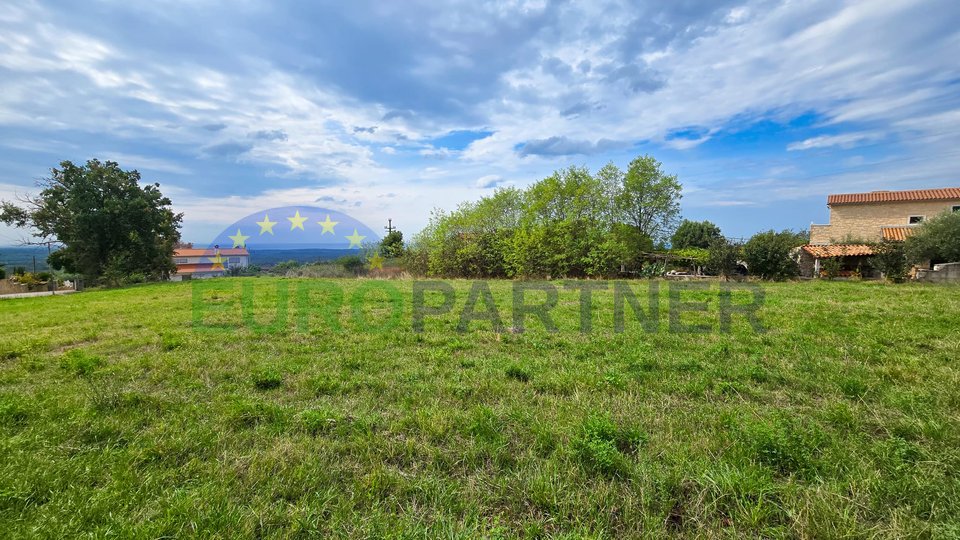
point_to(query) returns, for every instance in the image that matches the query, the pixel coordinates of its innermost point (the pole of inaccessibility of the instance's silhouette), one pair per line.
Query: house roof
(941, 194)
(226, 252)
(838, 250)
(898, 234)
(194, 268)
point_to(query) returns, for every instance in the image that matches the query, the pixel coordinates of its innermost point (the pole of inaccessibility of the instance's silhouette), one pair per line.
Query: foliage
(110, 225)
(570, 224)
(392, 245)
(937, 240)
(769, 254)
(831, 267)
(723, 257)
(3, 272)
(353, 264)
(694, 234)
(891, 258)
(649, 199)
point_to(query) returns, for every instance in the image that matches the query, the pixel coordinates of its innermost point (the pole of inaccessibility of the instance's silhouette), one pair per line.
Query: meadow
(130, 413)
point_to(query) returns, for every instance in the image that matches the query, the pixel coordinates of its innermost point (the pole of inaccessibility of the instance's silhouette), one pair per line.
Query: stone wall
(864, 222)
(941, 273)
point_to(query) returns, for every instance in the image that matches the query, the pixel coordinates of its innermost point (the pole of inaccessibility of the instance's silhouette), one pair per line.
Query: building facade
(860, 219)
(207, 263)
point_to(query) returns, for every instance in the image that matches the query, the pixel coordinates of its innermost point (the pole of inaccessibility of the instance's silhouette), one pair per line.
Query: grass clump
(606, 448)
(267, 379)
(518, 373)
(80, 363)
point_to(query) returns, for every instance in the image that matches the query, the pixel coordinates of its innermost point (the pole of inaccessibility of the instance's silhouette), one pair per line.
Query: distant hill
(270, 257)
(13, 256)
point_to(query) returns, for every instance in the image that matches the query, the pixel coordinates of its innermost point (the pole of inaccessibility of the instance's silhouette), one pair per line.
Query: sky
(390, 109)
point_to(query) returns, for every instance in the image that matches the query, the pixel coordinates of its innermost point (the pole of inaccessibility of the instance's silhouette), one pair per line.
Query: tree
(723, 257)
(392, 244)
(694, 234)
(769, 254)
(890, 258)
(108, 223)
(936, 240)
(649, 199)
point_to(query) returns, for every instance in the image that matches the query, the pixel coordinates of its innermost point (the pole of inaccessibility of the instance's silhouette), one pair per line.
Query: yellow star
(355, 239)
(266, 225)
(376, 261)
(217, 261)
(327, 225)
(296, 222)
(239, 240)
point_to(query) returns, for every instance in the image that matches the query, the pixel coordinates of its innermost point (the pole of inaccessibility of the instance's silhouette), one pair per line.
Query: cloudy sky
(388, 109)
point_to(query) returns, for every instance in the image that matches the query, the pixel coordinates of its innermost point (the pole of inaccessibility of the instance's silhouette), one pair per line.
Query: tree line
(570, 224)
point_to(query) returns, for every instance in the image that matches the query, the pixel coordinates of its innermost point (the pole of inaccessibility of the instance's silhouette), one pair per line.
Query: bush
(723, 257)
(353, 264)
(936, 240)
(831, 267)
(891, 259)
(769, 254)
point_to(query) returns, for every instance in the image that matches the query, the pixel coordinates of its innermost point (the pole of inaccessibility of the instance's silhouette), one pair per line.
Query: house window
(916, 219)
(234, 260)
(956, 208)
(180, 260)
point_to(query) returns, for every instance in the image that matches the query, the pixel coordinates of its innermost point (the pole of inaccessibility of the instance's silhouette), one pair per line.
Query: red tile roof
(898, 234)
(196, 268)
(942, 194)
(226, 252)
(838, 250)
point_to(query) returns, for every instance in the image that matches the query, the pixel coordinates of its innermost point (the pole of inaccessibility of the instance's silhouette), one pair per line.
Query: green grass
(119, 418)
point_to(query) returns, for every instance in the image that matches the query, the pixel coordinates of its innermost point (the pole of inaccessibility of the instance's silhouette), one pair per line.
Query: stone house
(206, 263)
(860, 219)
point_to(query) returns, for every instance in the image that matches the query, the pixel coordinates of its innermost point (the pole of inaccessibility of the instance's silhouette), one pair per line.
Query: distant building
(859, 219)
(207, 263)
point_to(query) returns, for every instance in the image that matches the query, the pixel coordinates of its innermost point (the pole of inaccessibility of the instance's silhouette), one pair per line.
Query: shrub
(353, 264)
(769, 254)
(723, 257)
(831, 267)
(3, 272)
(936, 240)
(891, 259)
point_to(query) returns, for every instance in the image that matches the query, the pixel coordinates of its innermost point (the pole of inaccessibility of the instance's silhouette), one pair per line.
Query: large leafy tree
(109, 224)
(694, 234)
(649, 199)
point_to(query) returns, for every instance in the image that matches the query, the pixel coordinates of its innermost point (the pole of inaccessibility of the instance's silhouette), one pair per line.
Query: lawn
(160, 411)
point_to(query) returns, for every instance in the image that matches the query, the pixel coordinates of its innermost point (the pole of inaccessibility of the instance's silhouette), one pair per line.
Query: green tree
(769, 255)
(108, 223)
(392, 244)
(723, 257)
(694, 234)
(891, 258)
(936, 240)
(649, 199)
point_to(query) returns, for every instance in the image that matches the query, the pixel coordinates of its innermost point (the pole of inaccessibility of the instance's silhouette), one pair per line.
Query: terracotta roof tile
(838, 250)
(898, 234)
(942, 194)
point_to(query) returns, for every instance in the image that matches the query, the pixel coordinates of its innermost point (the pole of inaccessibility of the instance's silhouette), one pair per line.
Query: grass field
(119, 418)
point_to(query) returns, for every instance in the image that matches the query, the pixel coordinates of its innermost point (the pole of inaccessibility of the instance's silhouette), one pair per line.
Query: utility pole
(390, 228)
(34, 264)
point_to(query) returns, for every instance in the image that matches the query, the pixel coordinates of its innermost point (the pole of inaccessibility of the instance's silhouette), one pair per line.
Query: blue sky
(389, 109)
